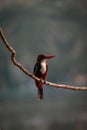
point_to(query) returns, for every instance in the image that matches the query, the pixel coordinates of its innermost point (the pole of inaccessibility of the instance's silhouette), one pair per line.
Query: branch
(21, 67)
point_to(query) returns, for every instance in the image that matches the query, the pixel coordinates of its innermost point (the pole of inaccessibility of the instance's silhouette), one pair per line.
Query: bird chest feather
(43, 67)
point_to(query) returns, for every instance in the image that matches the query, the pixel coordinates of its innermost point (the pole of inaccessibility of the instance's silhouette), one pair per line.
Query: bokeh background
(57, 27)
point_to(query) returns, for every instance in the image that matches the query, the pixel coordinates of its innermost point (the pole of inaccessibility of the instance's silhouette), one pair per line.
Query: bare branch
(21, 67)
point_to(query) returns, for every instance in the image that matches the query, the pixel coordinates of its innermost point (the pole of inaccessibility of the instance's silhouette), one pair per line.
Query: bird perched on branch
(40, 71)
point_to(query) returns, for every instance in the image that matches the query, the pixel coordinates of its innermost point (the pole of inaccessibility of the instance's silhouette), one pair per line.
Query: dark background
(57, 27)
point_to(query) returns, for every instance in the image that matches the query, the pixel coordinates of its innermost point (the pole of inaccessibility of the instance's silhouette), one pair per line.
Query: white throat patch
(43, 66)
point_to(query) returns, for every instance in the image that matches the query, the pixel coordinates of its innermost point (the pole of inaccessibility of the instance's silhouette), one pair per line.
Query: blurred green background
(57, 27)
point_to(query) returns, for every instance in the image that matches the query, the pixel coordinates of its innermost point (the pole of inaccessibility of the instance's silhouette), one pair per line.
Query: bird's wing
(37, 68)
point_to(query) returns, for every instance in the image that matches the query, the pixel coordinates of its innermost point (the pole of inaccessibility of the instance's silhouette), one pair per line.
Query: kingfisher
(40, 71)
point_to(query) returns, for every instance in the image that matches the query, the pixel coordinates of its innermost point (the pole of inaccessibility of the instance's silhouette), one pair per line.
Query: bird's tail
(40, 93)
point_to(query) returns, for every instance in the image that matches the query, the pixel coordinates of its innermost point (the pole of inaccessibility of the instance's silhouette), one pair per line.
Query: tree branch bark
(22, 68)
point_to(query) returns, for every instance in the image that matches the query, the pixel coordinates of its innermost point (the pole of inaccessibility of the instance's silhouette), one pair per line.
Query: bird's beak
(49, 57)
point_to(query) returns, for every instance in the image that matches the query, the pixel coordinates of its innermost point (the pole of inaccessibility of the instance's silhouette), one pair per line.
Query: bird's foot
(42, 81)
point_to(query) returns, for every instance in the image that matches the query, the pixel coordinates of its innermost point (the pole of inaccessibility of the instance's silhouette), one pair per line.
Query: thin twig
(21, 67)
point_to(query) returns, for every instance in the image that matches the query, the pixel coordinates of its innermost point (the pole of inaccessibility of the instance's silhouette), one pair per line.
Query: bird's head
(44, 57)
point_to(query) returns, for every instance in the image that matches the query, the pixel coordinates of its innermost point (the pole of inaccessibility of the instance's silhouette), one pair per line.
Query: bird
(41, 70)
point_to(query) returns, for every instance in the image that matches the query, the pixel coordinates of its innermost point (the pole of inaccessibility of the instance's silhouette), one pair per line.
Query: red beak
(49, 57)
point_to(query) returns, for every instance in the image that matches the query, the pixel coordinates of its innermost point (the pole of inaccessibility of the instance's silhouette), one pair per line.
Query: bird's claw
(42, 81)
